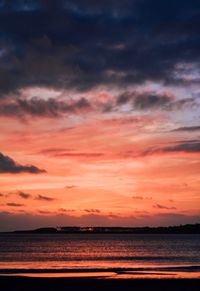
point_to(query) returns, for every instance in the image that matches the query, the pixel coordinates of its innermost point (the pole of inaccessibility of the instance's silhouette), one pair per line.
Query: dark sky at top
(83, 44)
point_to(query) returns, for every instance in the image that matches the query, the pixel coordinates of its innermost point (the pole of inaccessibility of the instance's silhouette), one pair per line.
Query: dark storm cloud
(44, 198)
(8, 165)
(81, 44)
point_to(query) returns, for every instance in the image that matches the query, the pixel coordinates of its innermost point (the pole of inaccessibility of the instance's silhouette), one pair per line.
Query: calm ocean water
(97, 251)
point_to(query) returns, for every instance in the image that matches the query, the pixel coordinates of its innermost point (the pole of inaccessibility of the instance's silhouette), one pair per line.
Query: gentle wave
(117, 270)
(102, 252)
(107, 258)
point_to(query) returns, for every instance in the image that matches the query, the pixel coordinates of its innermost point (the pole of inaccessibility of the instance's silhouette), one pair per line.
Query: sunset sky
(99, 113)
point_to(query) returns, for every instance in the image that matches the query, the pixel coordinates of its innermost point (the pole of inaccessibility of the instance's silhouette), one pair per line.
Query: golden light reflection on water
(159, 275)
(105, 256)
(114, 275)
(65, 275)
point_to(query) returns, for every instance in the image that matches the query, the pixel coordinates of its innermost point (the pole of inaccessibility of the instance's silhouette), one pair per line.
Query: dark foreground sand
(17, 283)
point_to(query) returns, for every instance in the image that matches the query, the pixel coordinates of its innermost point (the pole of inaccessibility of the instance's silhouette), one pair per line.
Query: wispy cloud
(137, 197)
(187, 128)
(44, 198)
(159, 206)
(192, 146)
(70, 186)
(92, 210)
(13, 204)
(24, 195)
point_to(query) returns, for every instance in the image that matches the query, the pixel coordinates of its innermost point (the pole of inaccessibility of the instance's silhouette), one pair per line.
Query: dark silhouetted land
(181, 229)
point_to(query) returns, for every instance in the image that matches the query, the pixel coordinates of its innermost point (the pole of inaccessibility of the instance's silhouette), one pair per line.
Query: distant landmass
(181, 229)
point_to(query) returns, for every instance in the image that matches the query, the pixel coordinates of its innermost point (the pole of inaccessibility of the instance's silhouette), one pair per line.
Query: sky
(99, 113)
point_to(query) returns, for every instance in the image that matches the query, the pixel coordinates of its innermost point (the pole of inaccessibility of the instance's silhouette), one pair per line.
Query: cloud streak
(159, 206)
(24, 195)
(187, 129)
(137, 198)
(13, 204)
(192, 146)
(44, 198)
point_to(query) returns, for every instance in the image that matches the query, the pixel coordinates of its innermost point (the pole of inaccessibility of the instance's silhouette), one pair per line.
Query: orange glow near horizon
(104, 169)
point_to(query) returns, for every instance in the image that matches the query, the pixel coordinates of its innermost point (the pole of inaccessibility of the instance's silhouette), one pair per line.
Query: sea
(115, 253)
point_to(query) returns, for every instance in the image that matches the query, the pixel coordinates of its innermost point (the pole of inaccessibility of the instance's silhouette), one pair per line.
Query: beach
(99, 262)
(22, 283)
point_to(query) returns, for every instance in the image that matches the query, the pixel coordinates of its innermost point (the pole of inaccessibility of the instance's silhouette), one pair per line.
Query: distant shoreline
(181, 229)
